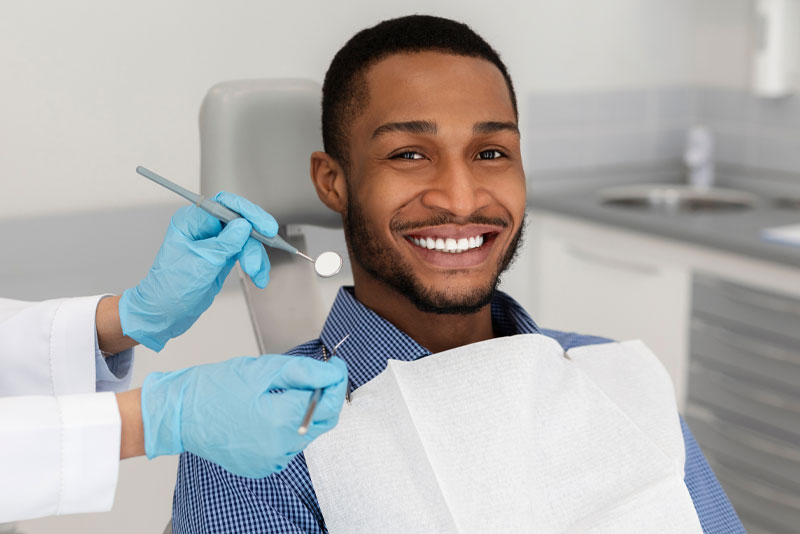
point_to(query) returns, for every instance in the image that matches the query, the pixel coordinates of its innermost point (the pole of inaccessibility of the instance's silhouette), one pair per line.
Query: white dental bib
(509, 436)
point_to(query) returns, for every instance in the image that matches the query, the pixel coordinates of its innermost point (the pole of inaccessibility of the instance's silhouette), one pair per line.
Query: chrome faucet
(699, 157)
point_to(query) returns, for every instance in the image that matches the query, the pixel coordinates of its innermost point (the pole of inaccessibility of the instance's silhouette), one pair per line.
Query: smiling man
(428, 178)
(422, 161)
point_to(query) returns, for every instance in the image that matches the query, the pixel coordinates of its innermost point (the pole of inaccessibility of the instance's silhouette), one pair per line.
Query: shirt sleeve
(714, 510)
(112, 373)
(58, 454)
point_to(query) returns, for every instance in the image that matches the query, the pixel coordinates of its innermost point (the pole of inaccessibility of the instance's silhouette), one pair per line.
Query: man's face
(436, 190)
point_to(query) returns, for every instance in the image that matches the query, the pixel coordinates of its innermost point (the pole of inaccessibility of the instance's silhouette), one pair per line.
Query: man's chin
(464, 302)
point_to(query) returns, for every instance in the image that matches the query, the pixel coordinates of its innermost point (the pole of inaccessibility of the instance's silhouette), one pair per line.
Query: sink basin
(677, 198)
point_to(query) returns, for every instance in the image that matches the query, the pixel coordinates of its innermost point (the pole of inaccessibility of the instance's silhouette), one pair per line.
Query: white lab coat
(59, 421)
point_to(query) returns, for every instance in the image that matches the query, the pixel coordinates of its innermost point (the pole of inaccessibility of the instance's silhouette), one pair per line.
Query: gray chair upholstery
(256, 137)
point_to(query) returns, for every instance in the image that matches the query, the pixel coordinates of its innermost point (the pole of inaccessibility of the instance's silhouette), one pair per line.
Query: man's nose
(456, 189)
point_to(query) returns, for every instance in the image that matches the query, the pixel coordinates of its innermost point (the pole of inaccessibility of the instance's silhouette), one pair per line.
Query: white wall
(92, 88)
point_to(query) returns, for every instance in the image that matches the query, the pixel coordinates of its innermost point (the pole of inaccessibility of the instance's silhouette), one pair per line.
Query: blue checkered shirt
(208, 499)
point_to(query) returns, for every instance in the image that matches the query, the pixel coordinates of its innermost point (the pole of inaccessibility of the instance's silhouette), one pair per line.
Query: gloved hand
(195, 257)
(224, 412)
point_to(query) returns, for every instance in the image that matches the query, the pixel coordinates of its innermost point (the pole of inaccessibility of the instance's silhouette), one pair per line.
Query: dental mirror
(328, 264)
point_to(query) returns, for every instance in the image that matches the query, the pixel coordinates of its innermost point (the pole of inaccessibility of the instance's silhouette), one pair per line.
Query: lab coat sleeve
(50, 348)
(58, 454)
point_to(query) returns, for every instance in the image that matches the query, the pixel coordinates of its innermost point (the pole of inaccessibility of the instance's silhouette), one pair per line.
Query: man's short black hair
(344, 92)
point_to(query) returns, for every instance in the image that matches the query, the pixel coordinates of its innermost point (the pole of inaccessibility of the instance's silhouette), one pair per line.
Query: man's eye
(491, 154)
(408, 155)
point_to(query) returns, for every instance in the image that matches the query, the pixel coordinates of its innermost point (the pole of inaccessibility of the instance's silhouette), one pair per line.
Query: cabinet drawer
(750, 308)
(768, 509)
(771, 412)
(762, 360)
(750, 451)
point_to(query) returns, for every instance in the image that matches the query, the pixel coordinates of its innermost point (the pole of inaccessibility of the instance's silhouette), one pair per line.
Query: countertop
(733, 231)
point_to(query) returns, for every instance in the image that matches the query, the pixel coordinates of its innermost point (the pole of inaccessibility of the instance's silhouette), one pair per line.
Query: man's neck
(435, 332)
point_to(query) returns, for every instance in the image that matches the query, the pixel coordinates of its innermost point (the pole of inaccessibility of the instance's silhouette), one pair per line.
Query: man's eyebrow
(414, 127)
(490, 127)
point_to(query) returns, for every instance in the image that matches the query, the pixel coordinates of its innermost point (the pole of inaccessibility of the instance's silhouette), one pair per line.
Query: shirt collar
(373, 340)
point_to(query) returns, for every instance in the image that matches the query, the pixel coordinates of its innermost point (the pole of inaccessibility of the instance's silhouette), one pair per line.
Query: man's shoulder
(570, 340)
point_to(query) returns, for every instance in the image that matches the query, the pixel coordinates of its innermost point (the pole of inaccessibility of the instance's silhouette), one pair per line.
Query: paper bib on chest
(509, 436)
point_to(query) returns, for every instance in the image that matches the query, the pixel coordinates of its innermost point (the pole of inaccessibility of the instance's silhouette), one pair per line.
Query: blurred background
(661, 141)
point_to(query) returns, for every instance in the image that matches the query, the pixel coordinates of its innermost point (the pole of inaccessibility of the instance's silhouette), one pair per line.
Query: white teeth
(449, 244)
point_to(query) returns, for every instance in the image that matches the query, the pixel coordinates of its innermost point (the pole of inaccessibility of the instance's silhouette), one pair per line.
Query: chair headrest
(256, 137)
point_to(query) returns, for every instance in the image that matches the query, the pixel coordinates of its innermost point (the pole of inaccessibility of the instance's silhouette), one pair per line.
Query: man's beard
(387, 265)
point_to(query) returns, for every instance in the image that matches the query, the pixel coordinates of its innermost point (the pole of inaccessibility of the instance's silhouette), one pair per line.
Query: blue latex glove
(195, 258)
(226, 413)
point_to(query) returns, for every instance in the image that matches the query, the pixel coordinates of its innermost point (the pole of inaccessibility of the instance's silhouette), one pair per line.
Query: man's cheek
(371, 201)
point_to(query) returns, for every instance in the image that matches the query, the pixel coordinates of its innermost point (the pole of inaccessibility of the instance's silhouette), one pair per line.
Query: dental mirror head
(328, 264)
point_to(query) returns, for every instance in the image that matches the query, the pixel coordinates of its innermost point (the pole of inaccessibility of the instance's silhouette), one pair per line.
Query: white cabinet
(597, 280)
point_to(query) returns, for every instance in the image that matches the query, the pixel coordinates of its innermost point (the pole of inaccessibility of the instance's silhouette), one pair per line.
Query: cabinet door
(607, 283)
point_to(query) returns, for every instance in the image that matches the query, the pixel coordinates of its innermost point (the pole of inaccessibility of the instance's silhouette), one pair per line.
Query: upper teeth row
(448, 244)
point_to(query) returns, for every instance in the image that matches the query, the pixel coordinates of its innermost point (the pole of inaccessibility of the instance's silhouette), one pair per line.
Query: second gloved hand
(195, 258)
(227, 413)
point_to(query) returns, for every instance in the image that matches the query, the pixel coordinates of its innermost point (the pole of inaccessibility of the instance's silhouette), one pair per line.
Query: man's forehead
(422, 86)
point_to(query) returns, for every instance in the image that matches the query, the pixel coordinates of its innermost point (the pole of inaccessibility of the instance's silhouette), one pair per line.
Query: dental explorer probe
(326, 265)
(312, 404)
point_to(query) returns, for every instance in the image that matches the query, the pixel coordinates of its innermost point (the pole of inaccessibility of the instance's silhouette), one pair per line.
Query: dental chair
(256, 137)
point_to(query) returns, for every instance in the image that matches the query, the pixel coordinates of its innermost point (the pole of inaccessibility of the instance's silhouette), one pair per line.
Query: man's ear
(329, 181)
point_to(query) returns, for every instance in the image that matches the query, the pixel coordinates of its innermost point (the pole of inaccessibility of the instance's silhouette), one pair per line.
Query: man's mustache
(442, 219)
